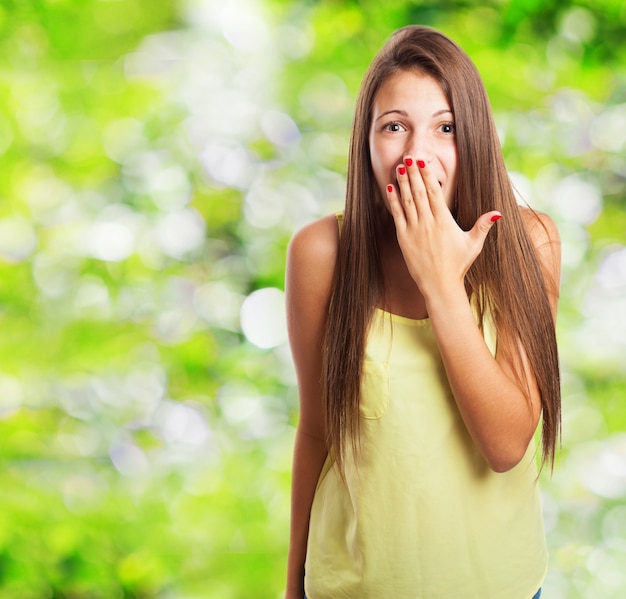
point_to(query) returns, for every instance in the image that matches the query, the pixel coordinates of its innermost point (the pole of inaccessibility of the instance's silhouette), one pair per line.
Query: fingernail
(389, 188)
(421, 163)
(402, 170)
(496, 217)
(408, 161)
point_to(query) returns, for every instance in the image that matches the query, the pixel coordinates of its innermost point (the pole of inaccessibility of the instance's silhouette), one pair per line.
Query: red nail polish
(402, 170)
(389, 188)
(496, 217)
(408, 161)
(421, 163)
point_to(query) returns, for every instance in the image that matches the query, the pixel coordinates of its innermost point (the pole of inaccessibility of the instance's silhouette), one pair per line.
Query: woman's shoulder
(540, 227)
(547, 243)
(316, 244)
(311, 259)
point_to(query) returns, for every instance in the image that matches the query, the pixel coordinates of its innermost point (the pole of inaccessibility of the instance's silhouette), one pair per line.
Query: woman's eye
(393, 127)
(448, 128)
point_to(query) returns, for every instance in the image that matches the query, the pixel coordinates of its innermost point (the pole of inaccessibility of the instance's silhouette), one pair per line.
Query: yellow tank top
(421, 516)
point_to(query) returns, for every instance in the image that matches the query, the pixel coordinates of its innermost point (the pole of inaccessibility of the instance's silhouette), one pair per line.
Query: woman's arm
(500, 412)
(310, 265)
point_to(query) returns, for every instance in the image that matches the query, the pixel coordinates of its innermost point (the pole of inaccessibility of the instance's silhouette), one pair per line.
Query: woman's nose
(420, 148)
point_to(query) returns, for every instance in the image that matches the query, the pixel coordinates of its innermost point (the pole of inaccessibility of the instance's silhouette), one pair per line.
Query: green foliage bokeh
(155, 158)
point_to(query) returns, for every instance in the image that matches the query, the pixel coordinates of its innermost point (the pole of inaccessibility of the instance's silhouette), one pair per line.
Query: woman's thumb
(483, 225)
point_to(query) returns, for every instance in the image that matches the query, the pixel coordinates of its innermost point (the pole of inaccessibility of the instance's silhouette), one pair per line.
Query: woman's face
(412, 117)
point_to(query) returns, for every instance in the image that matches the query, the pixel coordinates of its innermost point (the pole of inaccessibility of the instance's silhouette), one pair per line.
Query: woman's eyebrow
(393, 111)
(405, 113)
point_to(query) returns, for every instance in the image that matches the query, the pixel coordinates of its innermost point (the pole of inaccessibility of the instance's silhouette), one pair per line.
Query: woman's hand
(500, 410)
(438, 253)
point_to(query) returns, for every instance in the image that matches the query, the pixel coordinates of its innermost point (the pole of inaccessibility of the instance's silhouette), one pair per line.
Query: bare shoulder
(540, 227)
(547, 243)
(311, 261)
(313, 251)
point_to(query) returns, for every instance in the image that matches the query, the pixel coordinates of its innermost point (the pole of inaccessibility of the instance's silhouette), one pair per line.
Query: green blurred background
(155, 158)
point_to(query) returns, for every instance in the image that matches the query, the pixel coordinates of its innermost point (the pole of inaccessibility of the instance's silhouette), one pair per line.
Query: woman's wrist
(444, 296)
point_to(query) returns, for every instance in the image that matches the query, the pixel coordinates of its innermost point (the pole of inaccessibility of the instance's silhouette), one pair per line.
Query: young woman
(421, 323)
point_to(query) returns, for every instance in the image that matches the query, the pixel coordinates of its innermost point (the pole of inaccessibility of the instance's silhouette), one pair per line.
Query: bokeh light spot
(263, 318)
(110, 241)
(17, 239)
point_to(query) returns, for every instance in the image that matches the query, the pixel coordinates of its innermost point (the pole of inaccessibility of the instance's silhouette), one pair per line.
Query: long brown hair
(505, 278)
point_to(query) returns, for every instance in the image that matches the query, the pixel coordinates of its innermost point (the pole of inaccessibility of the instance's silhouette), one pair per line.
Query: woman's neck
(401, 294)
